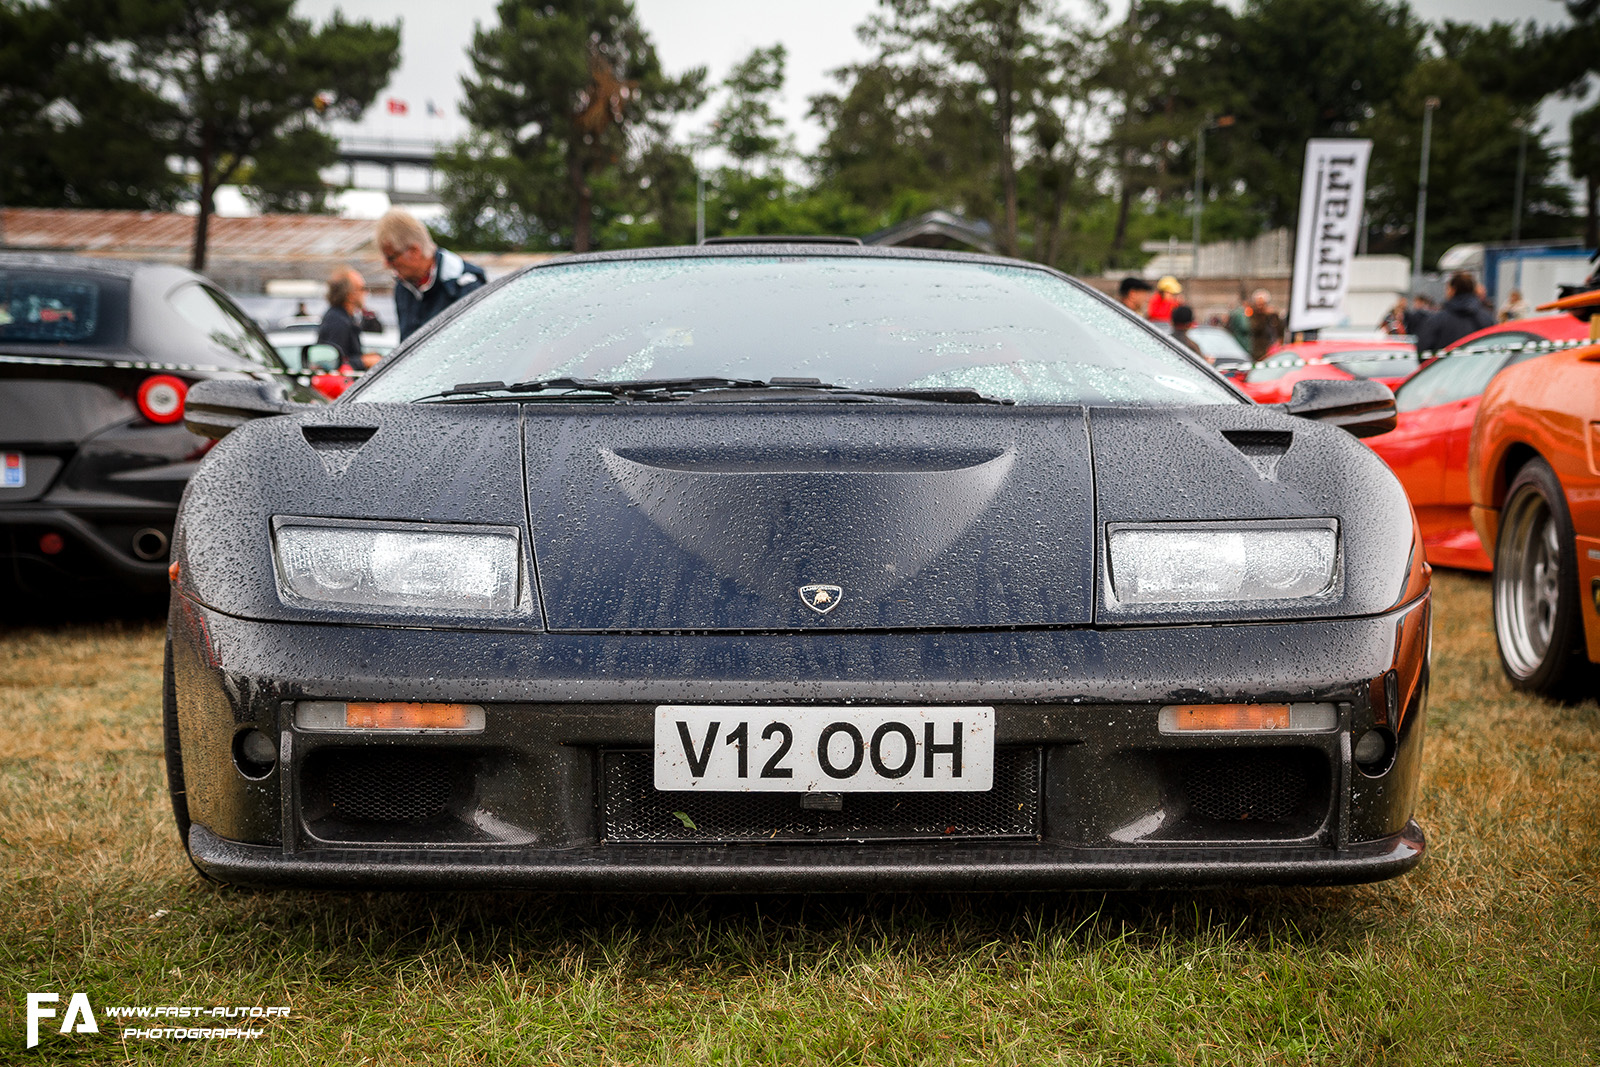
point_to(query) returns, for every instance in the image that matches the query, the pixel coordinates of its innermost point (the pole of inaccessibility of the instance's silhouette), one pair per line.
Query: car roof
(1551, 327)
(786, 247)
(113, 268)
(1305, 349)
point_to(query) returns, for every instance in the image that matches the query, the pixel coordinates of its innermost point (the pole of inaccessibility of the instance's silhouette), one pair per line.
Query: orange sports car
(1534, 473)
(1427, 450)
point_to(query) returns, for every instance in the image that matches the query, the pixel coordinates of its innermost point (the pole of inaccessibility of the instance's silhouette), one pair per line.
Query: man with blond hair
(428, 278)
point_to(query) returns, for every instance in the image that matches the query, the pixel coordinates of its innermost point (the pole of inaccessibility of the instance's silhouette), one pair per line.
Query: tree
(749, 194)
(1585, 166)
(1527, 63)
(243, 78)
(993, 53)
(1472, 169)
(557, 87)
(746, 125)
(75, 131)
(1311, 68)
(895, 142)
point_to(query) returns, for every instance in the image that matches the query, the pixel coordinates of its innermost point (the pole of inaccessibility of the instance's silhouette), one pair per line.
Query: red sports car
(1428, 448)
(1534, 472)
(1272, 380)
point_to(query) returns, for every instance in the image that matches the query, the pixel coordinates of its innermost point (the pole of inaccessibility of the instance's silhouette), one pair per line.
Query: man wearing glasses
(429, 278)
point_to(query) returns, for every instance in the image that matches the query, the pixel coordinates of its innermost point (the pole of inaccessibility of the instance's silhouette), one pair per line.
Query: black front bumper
(528, 796)
(807, 868)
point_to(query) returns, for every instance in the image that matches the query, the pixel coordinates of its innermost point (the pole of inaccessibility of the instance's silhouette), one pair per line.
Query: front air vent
(337, 445)
(1263, 448)
(1260, 442)
(324, 438)
(635, 811)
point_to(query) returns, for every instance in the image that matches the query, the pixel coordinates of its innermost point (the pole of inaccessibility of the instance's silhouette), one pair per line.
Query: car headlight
(1175, 563)
(398, 565)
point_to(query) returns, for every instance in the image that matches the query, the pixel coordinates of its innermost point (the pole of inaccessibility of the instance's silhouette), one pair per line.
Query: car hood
(940, 518)
(651, 518)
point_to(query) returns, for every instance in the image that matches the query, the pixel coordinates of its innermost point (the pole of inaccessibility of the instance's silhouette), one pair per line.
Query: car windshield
(1375, 363)
(44, 307)
(1218, 343)
(1454, 376)
(1011, 333)
(1273, 367)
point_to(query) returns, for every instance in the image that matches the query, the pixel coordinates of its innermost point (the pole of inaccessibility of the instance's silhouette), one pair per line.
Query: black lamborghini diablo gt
(795, 566)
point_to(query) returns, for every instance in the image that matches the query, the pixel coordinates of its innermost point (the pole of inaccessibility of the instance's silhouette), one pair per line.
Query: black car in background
(96, 358)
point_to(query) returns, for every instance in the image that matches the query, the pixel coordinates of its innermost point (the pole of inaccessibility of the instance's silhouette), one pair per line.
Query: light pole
(1522, 170)
(699, 207)
(1422, 189)
(1200, 186)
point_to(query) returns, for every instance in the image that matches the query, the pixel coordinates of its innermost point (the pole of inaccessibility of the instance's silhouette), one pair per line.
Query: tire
(174, 751)
(1537, 621)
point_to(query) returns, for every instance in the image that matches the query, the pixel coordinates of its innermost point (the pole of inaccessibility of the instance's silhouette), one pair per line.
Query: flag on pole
(1333, 196)
(397, 106)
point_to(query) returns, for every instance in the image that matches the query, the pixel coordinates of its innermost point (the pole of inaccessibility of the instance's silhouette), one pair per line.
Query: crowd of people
(1254, 321)
(1258, 325)
(1466, 309)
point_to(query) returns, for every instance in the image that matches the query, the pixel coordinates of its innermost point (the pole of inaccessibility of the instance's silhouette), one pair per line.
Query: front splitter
(807, 868)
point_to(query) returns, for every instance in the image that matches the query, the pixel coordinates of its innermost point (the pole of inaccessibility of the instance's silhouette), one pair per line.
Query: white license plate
(824, 750)
(13, 470)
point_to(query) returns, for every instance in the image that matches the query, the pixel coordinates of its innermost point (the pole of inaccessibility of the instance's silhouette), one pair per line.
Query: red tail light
(161, 398)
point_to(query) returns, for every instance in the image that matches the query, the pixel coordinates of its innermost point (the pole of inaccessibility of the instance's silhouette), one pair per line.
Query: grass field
(1489, 953)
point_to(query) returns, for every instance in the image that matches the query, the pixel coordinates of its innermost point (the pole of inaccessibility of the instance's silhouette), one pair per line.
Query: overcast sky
(819, 35)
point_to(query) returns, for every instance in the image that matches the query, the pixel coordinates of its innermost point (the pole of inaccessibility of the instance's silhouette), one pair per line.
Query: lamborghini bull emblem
(821, 598)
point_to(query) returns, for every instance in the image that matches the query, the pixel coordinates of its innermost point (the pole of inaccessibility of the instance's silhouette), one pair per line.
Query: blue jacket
(453, 278)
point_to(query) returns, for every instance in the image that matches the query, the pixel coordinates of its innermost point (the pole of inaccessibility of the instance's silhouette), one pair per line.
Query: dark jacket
(1462, 314)
(1266, 330)
(342, 332)
(453, 278)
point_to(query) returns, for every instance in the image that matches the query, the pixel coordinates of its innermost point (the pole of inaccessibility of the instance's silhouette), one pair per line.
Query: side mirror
(216, 408)
(1364, 407)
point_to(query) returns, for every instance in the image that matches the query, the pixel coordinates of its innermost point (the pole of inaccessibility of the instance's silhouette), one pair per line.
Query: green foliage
(243, 78)
(76, 131)
(1311, 68)
(287, 176)
(1584, 162)
(557, 89)
(1472, 169)
(1073, 137)
(746, 125)
(1529, 62)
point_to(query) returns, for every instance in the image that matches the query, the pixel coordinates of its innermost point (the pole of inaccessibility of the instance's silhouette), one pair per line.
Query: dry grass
(1487, 954)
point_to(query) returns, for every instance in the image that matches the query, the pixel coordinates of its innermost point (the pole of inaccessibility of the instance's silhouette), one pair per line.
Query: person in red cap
(1168, 296)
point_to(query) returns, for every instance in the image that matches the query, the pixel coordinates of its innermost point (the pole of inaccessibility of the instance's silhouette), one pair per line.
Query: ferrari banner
(1332, 194)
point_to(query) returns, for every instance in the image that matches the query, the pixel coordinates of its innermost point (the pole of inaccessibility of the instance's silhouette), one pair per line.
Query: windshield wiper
(657, 389)
(637, 389)
(932, 394)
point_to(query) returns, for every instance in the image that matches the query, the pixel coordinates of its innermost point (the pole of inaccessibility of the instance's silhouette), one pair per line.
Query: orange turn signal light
(1226, 717)
(405, 716)
(1189, 718)
(386, 715)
